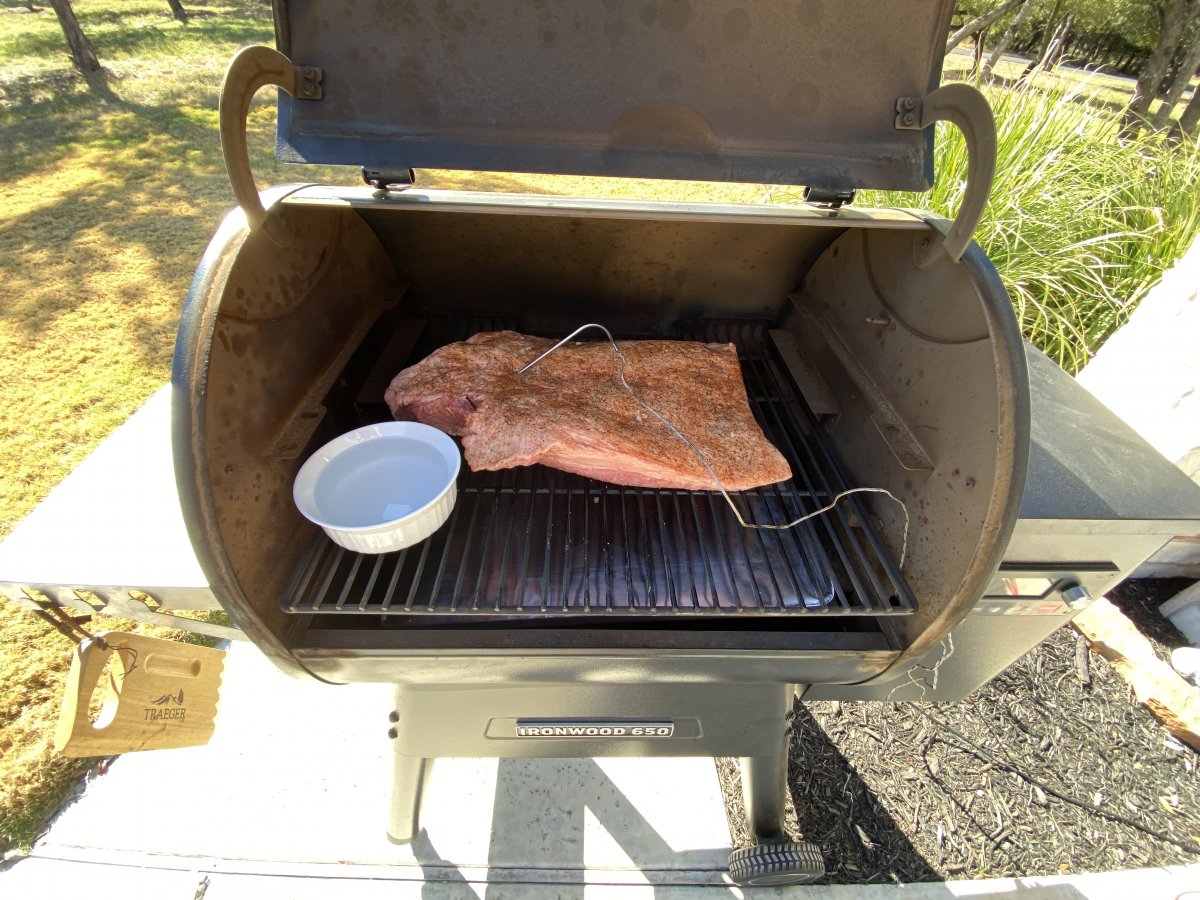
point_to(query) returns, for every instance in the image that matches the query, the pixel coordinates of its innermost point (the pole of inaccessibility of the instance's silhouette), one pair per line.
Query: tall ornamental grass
(1081, 223)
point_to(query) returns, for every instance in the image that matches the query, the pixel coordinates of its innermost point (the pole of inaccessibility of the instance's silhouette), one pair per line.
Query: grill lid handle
(967, 108)
(251, 69)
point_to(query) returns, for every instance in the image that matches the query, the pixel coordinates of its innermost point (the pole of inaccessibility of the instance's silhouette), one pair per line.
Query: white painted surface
(1184, 612)
(115, 520)
(1148, 373)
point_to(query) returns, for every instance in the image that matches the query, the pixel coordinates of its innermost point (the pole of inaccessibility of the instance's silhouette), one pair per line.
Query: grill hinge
(908, 114)
(400, 180)
(825, 198)
(309, 83)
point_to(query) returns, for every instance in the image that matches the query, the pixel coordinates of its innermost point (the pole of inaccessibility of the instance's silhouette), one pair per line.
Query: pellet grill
(556, 616)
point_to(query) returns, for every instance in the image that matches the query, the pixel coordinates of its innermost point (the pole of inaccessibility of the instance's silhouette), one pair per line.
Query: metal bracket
(908, 114)
(310, 83)
(895, 431)
(967, 108)
(127, 603)
(251, 69)
(389, 181)
(824, 198)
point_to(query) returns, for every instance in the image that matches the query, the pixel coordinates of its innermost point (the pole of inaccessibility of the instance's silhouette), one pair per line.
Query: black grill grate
(535, 541)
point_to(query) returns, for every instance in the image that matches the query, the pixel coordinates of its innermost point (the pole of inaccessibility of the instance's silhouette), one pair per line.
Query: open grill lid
(767, 91)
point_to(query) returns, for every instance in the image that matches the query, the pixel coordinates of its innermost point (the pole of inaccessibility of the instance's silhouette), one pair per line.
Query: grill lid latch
(967, 108)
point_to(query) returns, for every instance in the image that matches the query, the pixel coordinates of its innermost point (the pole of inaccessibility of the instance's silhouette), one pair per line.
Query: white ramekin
(381, 487)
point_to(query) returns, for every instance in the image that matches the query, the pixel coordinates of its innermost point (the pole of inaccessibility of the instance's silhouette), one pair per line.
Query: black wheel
(786, 862)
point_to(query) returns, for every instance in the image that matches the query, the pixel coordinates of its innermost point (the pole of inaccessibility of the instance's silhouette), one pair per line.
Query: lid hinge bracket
(964, 106)
(309, 81)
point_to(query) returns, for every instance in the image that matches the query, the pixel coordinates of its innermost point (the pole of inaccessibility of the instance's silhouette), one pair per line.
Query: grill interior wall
(284, 319)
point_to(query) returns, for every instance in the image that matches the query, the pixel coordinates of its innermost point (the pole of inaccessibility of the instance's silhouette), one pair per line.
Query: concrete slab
(299, 773)
(1148, 372)
(129, 480)
(193, 879)
(289, 800)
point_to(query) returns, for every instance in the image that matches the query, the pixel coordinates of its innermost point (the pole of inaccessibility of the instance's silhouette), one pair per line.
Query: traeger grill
(555, 615)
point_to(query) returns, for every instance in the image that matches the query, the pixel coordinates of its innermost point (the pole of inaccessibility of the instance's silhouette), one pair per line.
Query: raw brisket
(570, 411)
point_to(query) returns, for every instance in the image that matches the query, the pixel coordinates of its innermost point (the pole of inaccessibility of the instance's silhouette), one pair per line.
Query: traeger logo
(545, 728)
(168, 706)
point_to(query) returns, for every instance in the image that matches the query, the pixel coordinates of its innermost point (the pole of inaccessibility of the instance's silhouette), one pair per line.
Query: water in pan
(379, 481)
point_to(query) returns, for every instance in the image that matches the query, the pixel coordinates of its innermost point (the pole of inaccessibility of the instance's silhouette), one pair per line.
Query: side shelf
(110, 538)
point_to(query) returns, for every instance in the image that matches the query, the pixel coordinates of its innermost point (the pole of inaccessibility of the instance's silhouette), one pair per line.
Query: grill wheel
(785, 862)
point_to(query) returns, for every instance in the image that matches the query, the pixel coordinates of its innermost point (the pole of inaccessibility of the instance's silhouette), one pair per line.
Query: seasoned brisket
(570, 411)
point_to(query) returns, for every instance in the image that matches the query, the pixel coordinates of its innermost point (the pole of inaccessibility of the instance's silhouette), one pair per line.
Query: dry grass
(33, 780)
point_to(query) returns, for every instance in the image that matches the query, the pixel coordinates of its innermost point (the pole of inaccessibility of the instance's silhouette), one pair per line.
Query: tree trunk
(1168, 81)
(82, 52)
(1191, 114)
(1006, 38)
(178, 11)
(1050, 49)
(1187, 68)
(1051, 27)
(1173, 19)
(979, 23)
(1061, 51)
(977, 54)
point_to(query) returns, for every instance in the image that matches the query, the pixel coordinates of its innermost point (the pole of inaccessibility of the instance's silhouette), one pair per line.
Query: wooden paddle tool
(160, 694)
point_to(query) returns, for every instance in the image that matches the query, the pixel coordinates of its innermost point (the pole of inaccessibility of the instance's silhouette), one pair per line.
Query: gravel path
(1052, 767)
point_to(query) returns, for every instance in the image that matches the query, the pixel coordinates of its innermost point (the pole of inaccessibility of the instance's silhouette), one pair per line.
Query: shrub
(1080, 224)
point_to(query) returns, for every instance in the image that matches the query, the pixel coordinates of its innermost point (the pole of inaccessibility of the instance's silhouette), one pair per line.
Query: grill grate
(533, 541)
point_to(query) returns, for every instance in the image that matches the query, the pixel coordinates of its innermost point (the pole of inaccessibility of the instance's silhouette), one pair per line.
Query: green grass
(1102, 89)
(1080, 224)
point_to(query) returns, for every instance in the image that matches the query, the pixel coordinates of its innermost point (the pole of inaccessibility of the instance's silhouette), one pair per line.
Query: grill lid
(769, 91)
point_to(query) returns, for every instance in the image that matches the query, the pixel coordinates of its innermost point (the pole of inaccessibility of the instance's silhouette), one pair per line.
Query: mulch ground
(1052, 767)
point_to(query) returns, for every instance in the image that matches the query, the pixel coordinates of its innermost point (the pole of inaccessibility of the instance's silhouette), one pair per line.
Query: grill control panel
(1050, 590)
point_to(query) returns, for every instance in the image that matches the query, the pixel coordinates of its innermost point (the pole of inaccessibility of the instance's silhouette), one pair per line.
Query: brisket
(570, 411)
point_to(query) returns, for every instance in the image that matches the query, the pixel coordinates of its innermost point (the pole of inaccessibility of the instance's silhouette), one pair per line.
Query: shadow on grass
(130, 197)
(145, 29)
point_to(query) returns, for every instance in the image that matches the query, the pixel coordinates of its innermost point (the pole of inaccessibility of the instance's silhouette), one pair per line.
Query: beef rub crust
(570, 411)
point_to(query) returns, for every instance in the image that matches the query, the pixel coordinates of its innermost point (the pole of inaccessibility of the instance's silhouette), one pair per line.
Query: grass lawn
(1099, 87)
(108, 194)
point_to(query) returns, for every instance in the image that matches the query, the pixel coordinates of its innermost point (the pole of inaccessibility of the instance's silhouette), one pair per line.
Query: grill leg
(764, 781)
(410, 780)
